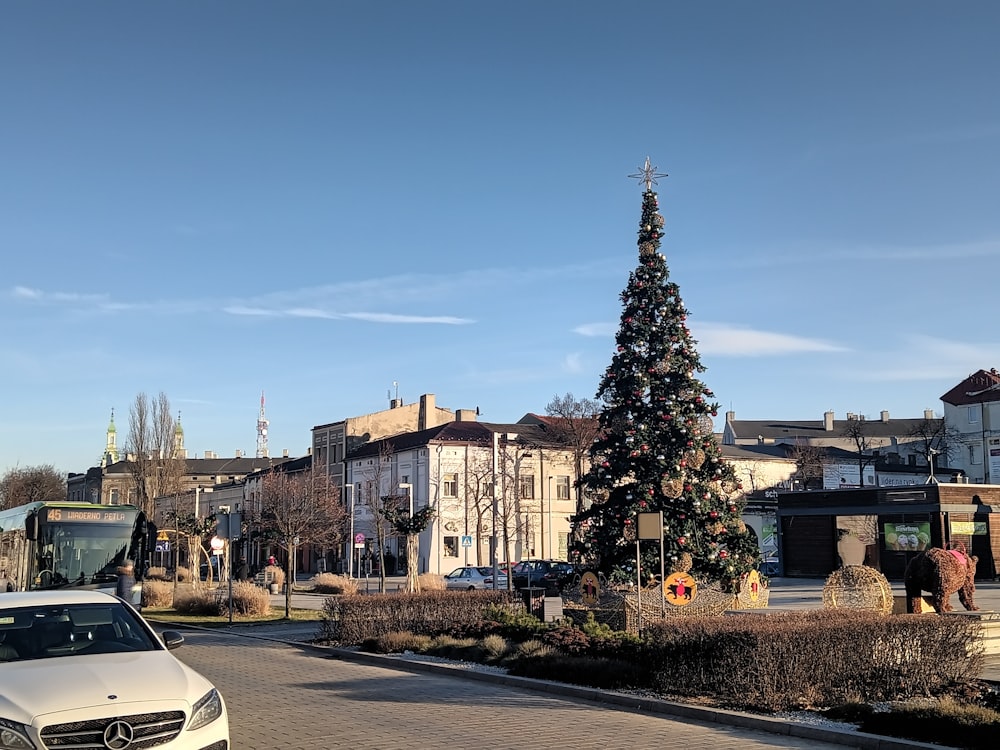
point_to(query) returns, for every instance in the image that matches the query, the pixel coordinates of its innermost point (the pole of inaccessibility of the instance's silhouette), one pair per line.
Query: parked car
(474, 577)
(543, 573)
(81, 668)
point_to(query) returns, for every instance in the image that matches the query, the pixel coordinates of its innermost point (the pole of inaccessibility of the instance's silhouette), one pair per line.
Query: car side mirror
(172, 639)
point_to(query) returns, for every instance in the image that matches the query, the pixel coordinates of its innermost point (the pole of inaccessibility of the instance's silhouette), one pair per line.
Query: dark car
(543, 574)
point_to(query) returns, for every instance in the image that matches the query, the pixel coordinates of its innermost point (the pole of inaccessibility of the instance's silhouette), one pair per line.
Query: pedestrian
(126, 581)
(272, 560)
(242, 570)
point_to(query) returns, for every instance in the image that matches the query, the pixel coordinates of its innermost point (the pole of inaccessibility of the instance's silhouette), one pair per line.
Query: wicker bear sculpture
(941, 572)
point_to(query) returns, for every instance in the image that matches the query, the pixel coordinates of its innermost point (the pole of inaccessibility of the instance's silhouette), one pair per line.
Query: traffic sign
(359, 541)
(466, 541)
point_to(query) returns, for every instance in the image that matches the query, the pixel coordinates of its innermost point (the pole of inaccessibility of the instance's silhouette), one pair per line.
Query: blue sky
(320, 200)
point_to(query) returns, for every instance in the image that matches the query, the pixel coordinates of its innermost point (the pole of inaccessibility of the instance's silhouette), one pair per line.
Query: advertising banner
(907, 537)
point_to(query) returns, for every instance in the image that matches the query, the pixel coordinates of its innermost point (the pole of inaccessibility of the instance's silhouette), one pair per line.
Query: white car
(474, 577)
(83, 669)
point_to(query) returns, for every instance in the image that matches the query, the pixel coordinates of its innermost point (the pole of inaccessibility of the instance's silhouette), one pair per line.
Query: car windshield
(69, 630)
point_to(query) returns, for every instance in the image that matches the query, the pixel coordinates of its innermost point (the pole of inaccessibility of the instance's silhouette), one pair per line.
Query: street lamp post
(409, 495)
(350, 539)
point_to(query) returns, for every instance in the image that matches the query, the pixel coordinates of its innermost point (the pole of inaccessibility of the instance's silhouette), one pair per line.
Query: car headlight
(14, 736)
(206, 710)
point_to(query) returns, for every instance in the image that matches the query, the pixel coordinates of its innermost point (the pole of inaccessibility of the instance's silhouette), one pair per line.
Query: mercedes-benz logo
(118, 735)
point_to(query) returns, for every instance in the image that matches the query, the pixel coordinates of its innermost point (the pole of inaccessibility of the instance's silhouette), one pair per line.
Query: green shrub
(608, 674)
(567, 639)
(397, 643)
(945, 721)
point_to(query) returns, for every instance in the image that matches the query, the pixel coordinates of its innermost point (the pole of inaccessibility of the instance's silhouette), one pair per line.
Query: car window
(71, 630)
(485, 571)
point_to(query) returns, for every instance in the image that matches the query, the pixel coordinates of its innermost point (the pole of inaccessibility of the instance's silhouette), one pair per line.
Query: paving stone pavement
(286, 696)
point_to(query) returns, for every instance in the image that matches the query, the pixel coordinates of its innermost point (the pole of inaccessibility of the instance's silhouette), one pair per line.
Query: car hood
(43, 686)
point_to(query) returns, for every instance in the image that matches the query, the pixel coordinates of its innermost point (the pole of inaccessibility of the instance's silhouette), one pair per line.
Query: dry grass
(431, 582)
(329, 583)
(274, 574)
(157, 593)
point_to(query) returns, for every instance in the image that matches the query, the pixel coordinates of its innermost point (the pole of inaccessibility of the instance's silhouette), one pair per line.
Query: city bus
(51, 545)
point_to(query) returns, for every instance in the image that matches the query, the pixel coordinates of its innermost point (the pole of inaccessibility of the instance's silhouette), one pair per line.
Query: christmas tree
(656, 450)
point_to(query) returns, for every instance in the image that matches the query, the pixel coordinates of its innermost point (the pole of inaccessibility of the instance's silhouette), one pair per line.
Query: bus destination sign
(72, 515)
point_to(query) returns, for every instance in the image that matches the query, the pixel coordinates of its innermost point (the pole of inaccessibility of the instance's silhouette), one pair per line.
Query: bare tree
(29, 484)
(809, 460)
(301, 507)
(577, 426)
(932, 437)
(375, 496)
(479, 500)
(151, 455)
(857, 431)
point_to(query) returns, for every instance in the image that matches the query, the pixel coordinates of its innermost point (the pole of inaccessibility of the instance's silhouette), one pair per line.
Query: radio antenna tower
(262, 424)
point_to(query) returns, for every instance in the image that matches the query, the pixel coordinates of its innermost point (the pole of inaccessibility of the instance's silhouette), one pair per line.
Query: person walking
(126, 581)
(242, 570)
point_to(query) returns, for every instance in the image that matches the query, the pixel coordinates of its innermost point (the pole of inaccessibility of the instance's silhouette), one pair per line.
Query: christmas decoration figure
(656, 450)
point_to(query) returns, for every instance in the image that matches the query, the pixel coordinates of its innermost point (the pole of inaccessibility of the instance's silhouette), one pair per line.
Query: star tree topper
(647, 174)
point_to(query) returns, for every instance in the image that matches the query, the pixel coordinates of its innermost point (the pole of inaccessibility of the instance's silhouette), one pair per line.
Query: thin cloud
(721, 339)
(392, 318)
(28, 293)
(920, 357)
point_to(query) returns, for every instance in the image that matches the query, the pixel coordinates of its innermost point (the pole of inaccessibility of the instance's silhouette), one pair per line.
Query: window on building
(527, 486)
(562, 488)
(975, 457)
(973, 414)
(449, 485)
(451, 546)
(115, 498)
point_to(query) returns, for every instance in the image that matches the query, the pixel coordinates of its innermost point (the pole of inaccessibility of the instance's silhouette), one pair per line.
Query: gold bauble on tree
(672, 487)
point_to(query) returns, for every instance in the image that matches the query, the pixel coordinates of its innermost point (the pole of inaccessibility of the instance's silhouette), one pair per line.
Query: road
(283, 696)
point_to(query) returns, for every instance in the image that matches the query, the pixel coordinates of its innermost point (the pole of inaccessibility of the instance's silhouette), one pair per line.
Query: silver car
(83, 669)
(474, 577)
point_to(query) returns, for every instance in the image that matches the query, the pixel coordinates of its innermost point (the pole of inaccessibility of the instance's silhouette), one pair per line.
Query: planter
(274, 588)
(851, 550)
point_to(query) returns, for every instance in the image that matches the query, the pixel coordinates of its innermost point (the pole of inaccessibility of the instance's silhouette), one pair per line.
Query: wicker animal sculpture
(941, 572)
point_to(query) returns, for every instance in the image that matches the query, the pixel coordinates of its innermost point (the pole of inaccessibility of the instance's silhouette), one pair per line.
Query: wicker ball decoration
(858, 587)
(672, 488)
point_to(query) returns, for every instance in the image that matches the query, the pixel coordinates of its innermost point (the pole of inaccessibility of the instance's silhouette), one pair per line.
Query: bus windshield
(76, 553)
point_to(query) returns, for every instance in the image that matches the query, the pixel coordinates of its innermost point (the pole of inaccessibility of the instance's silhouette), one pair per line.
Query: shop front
(821, 530)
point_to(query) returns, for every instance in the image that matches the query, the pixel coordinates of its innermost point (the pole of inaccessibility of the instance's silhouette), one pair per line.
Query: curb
(658, 706)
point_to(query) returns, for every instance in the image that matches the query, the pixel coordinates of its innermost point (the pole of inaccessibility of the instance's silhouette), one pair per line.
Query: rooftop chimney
(928, 414)
(885, 415)
(828, 421)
